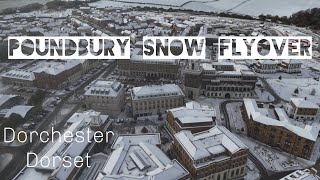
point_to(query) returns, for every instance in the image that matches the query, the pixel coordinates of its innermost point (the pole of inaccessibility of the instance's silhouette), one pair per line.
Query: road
(19, 159)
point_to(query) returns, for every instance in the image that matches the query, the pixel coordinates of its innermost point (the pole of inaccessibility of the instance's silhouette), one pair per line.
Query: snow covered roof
(194, 112)
(4, 98)
(292, 61)
(138, 157)
(302, 175)
(104, 88)
(20, 74)
(270, 62)
(303, 103)
(73, 147)
(21, 110)
(211, 142)
(262, 116)
(152, 91)
(55, 68)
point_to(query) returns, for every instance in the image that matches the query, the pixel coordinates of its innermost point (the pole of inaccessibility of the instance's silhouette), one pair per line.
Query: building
(306, 174)
(291, 66)
(193, 117)
(97, 161)
(213, 154)
(273, 127)
(139, 157)
(153, 69)
(154, 99)
(266, 66)
(218, 79)
(105, 96)
(45, 74)
(52, 167)
(302, 109)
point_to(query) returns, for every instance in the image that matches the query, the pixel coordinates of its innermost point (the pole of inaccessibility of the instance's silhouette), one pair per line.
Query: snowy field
(285, 88)
(249, 7)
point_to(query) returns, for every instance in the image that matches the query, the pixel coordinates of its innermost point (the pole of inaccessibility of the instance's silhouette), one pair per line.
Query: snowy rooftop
(237, 69)
(74, 147)
(303, 103)
(54, 67)
(4, 98)
(104, 88)
(209, 143)
(292, 61)
(194, 112)
(302, 175)
(138, 157)
(263, 116)
(21, 110)
(152, 91)
(269, 62)
(20, 74)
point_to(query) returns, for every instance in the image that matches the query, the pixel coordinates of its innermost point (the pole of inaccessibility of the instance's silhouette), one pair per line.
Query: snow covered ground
(235, 118)
(250, 7)
(285, 88)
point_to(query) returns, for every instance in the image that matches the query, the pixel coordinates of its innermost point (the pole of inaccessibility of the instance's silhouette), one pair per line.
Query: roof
(73, 147)
(211, 142)
(261, 115)
(20, 74)
(104, 88)
(55, 68)
(194, 112)
(21, 110)
(302, 175)
(267, 62)
(4, 98)
(292, 61)
(303, 103)
(138, 157)
(152, 91)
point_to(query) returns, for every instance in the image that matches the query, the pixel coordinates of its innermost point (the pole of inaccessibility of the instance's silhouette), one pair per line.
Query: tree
(159, 115)
(313, 92)
(296, 91)
(37, 98)
(280, 77)
(262, 17)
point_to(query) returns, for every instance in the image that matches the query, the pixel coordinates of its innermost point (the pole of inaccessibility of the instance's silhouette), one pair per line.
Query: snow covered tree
(296, 91)
(280, 77)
